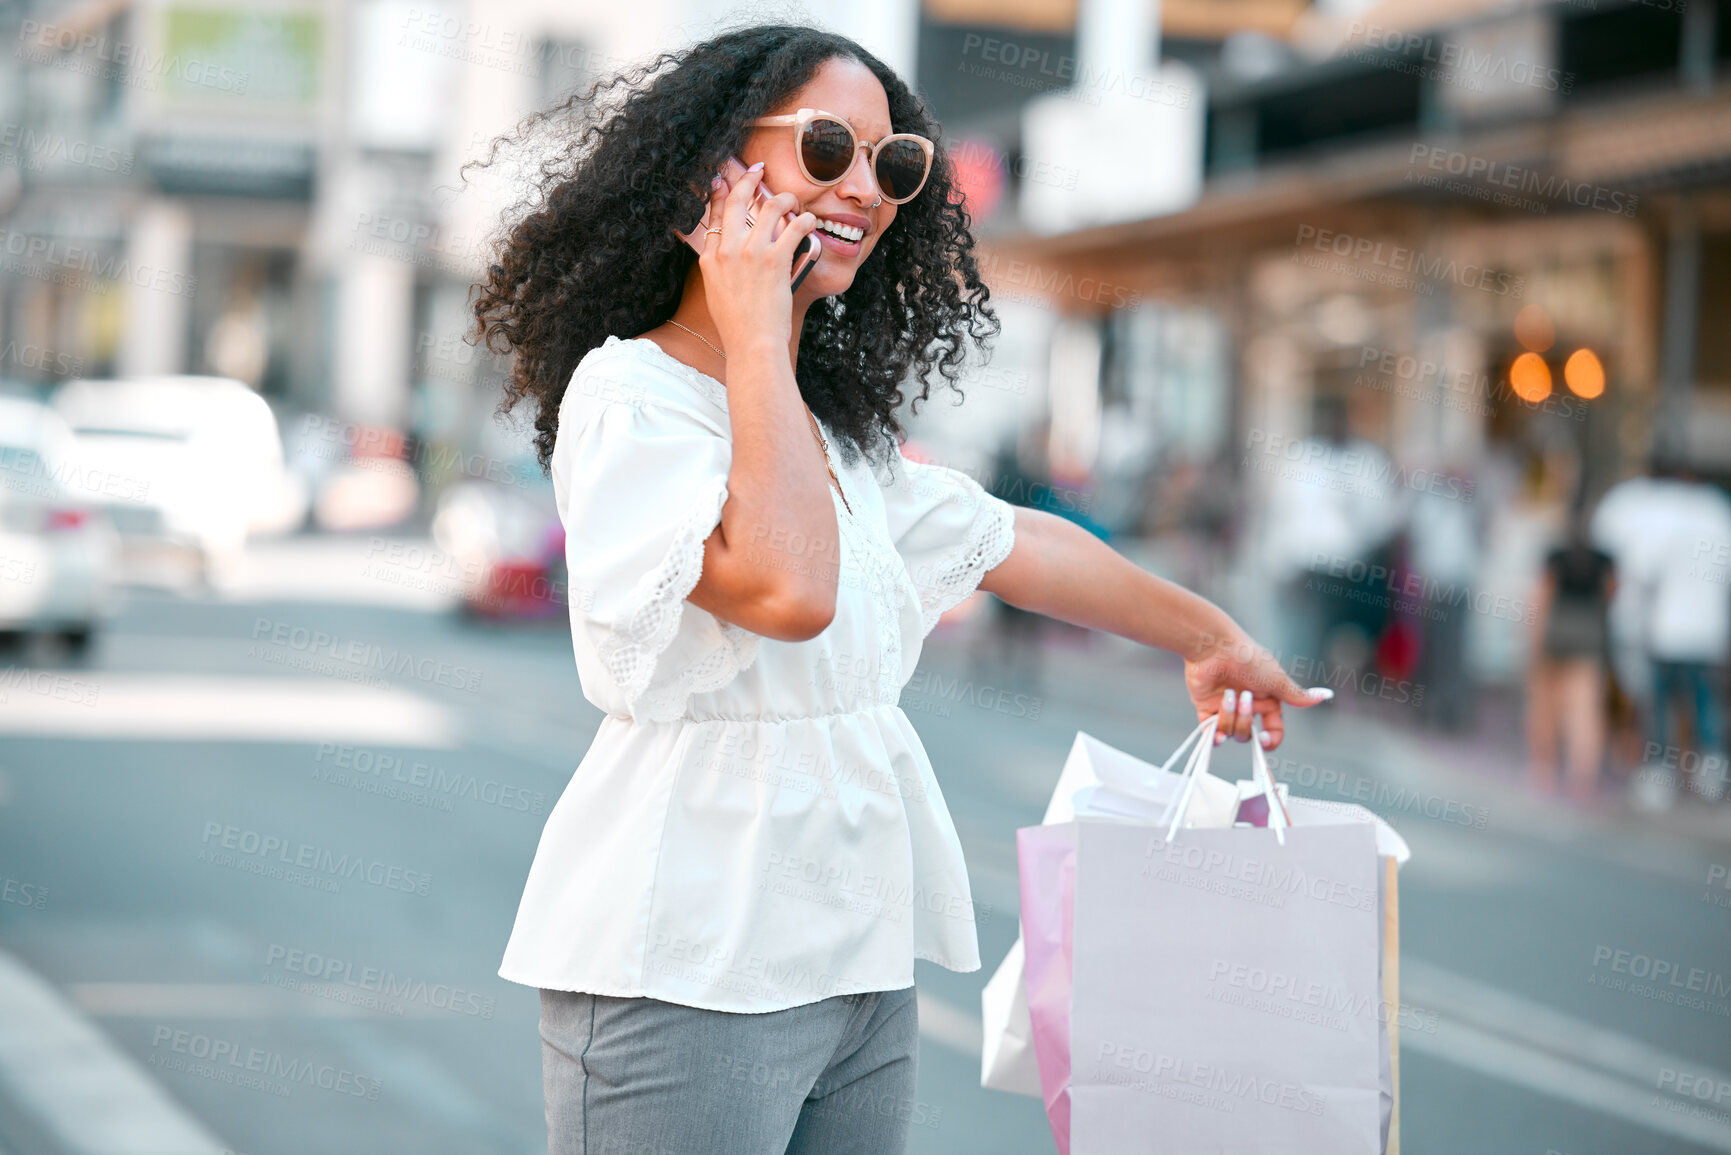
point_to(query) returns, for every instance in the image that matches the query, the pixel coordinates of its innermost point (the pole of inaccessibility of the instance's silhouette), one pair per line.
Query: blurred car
(189, 463)
(58, 549)
(507, 546)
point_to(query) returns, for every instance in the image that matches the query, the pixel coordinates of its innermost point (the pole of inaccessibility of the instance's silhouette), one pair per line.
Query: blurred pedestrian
(1688, 633)
(1566, 677)
(1332, 519)
(1445, 534)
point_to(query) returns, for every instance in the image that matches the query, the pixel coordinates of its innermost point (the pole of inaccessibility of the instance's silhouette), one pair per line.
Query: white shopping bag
(1260, 1028)
(1099, 781)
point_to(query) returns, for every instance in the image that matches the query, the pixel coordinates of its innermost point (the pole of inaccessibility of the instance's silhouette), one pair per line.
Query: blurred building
(273, 191)
(1495, 238)
(1486, 241)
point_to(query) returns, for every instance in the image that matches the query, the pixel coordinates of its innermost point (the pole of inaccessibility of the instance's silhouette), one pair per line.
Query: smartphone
(804, 258)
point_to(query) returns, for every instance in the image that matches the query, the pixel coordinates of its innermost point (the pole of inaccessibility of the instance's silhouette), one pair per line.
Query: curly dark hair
(591, 251)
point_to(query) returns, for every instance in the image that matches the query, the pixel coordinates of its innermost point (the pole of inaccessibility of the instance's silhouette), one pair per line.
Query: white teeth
(845, 232)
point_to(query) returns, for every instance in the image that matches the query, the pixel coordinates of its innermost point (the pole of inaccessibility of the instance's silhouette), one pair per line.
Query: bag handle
(1278, 818)
(1197, 764)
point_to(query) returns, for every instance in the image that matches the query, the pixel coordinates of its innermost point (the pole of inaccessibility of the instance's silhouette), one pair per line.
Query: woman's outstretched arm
(1061, 570)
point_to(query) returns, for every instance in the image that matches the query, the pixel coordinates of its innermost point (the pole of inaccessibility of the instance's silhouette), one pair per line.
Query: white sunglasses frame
(799, 119)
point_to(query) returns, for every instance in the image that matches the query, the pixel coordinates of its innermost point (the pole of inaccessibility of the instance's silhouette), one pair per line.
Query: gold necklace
(822, 443)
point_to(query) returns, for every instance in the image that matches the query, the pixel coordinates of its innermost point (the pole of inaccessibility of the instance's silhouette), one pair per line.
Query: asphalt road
(333, 702)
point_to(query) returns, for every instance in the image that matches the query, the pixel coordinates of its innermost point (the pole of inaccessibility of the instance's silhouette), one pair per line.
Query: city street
(176, 810)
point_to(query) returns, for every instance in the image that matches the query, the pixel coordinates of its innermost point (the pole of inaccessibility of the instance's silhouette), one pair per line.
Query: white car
(187, 463)
(58, 549)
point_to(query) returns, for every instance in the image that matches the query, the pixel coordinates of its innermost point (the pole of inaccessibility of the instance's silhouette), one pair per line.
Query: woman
(1566, 677)
(727, 901)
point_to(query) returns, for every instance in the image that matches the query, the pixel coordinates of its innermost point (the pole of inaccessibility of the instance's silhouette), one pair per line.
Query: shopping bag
(1241, 1008)
(1099, 781)
(1096, 781)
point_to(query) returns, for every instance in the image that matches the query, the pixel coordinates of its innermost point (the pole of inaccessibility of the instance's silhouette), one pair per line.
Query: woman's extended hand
(1235, 679)
(746, 275)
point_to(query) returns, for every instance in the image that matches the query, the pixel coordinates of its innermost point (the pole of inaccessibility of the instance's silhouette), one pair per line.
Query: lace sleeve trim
(990, 539)
(649, 621)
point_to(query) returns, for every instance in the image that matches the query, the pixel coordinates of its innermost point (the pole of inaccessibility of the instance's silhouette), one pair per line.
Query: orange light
(1584, 375)
(1533, 329)
(1530, 378)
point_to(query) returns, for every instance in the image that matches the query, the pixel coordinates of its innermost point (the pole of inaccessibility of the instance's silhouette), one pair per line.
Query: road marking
(949, 1026)
(1491, 1008)
(1537, 1070)
(77, 1085)
(180, 707)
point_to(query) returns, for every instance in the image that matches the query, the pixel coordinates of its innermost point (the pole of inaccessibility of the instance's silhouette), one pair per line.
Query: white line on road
(85, 1092)
(1520, 1065)
(170, 707)
(1535, 1024)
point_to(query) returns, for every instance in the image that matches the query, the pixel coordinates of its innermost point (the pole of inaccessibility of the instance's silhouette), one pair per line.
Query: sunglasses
(900, 161)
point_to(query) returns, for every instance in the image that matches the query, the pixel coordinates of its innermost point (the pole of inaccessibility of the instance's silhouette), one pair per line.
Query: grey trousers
(637, 1076)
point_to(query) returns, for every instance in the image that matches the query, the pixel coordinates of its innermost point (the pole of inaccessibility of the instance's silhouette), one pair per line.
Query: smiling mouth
(840, 231)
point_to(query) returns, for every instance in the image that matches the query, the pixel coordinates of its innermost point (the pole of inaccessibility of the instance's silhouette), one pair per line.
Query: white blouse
(756, 825)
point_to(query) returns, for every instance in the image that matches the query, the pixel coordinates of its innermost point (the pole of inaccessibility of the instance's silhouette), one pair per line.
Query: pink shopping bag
(1224, 1070)
(1046, 861)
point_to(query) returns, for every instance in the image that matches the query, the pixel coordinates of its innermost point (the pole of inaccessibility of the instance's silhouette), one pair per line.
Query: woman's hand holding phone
(745, 267)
